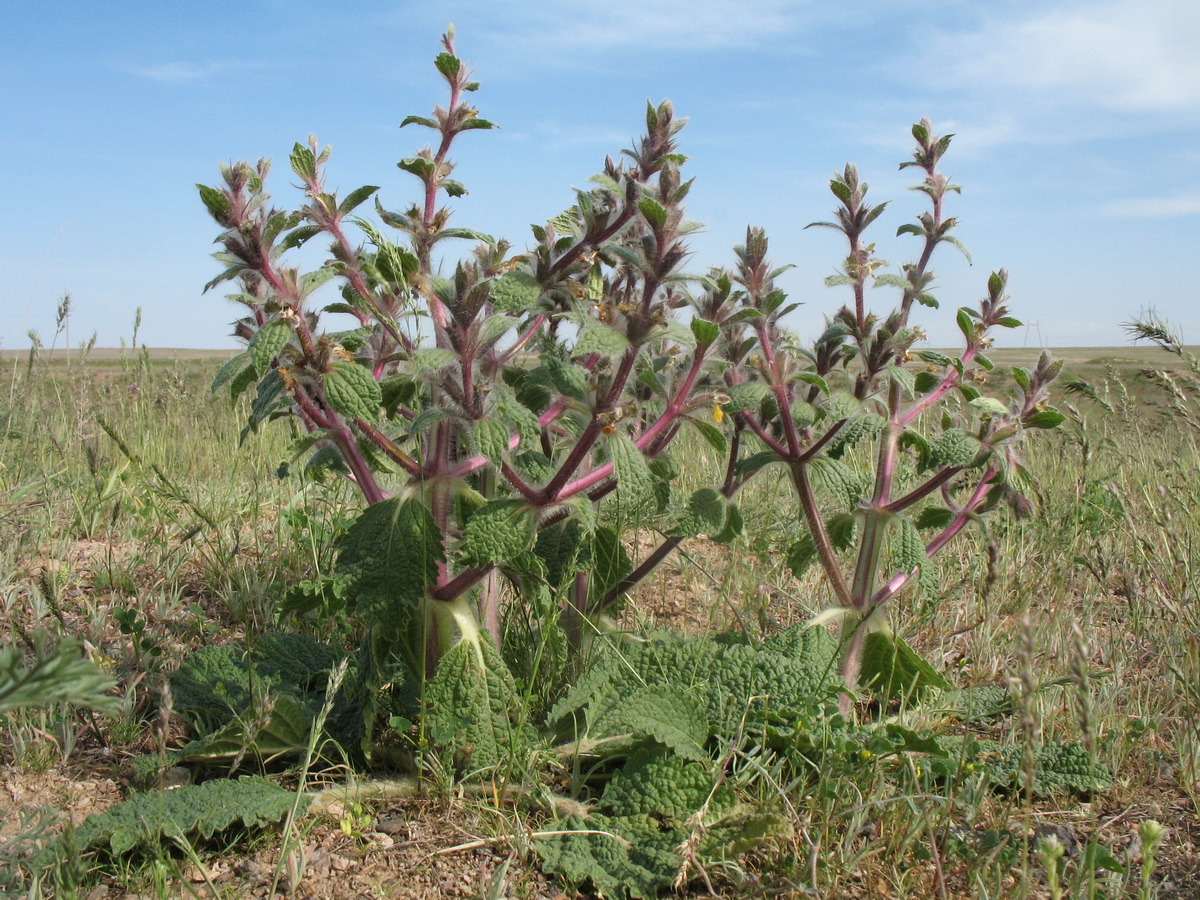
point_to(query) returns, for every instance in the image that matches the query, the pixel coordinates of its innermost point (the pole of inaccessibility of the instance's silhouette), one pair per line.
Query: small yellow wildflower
(718, 413)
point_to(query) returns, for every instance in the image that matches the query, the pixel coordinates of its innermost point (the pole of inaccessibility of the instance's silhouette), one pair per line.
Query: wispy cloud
(184, 72)
(1127, 55)
(1187, 204)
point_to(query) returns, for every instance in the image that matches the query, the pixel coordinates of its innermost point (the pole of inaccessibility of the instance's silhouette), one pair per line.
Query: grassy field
(134, 522)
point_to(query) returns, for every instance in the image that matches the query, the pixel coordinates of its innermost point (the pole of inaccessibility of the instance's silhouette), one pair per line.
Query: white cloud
(182, 72)
(1157, 207)
(1127, 55)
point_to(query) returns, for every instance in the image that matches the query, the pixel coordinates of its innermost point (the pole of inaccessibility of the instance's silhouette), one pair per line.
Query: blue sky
(1077, 126)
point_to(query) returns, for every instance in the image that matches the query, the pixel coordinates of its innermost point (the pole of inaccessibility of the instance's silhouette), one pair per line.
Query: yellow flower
(718, 413)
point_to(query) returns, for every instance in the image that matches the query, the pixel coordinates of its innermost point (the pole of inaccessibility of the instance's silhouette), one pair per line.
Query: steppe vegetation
(572, 572)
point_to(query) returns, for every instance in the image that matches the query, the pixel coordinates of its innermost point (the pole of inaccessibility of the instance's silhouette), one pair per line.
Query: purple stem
(964, 515)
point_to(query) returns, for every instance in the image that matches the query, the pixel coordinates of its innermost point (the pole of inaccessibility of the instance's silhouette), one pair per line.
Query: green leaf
(447, 64)
(310, 281)
(842, 405)
(904, 378)
(596, 337)
(241, 381)
(1044, 418)
(427, 418)
(892, 669)
(352, 391)
(815, 380)
(635, 482)
(747, 395)
(664, 785)
(705, 514)
(926, 382)
(433, 359)
(267, 400)
(990, 406)
(711, 433)
(706, 332)
(1021, 377)
(389, 555)
(300, 235)
(417, 165)
(355, 198)
(1009, 322)
(497, 532)
(469, 234)
(473, 709)
(490, 437)
(612, 562)
(284, 734)
(304, 162)
(837, 480)
(565, 548)
(751, 464)
(234, 366)
(665, 714)
(654, 212)
(569, 380)
(801, 555)
(934, 517)
(191, 812)
(965, 324)
(933, 357)
(840, 530)
(734, 526)
(855, 429)
(271, 338)
(517, 416)
(619, 857)
(953, 447)
(419, 120)
(215, 201)
(515, 292)
(677, 332)
(908, 553)
(494, 328)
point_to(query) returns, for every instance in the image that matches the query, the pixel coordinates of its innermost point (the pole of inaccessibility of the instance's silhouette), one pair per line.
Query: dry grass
(1113, 552)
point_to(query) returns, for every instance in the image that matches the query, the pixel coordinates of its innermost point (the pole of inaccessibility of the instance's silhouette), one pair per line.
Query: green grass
(124, 494)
